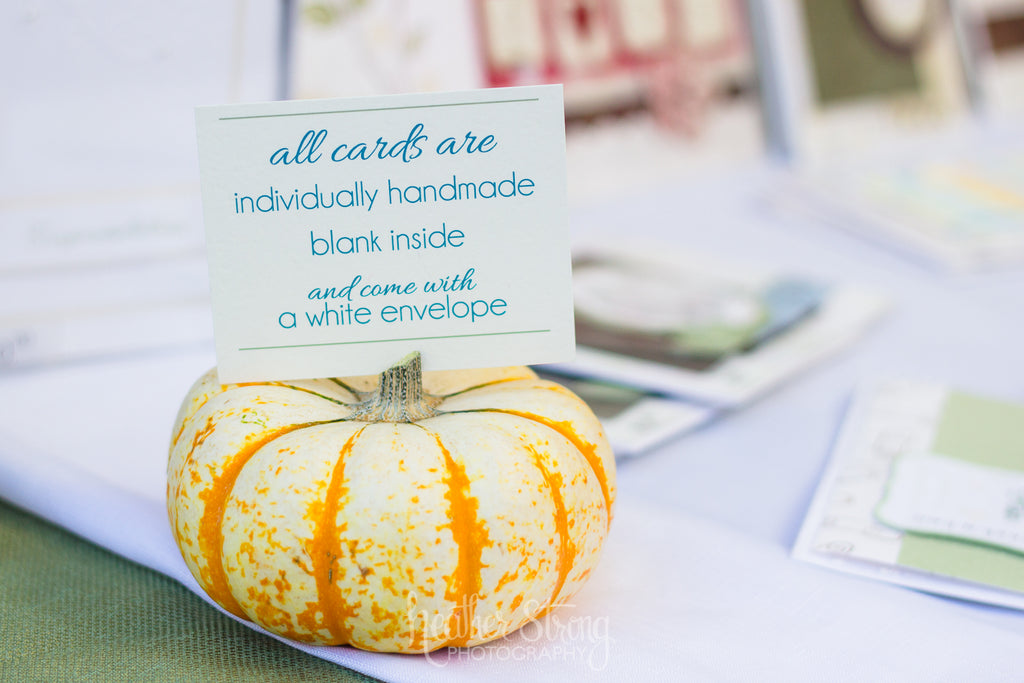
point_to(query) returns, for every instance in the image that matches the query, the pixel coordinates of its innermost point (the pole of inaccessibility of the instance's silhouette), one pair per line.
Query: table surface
(753, 470)
(71, 611)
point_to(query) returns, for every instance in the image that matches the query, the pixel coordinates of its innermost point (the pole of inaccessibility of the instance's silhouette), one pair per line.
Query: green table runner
(71, 611)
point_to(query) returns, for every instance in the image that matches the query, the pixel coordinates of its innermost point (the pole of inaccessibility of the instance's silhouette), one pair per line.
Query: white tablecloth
(695, 582)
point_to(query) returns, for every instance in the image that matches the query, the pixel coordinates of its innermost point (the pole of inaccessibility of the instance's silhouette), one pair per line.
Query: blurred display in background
(655, 90)
(874, 109)
(994, 31)
(873, 104)
(854, 76)
(351, 48)
(99, 200)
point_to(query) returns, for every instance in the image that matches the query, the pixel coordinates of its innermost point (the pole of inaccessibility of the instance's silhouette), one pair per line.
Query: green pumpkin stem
(400, 396)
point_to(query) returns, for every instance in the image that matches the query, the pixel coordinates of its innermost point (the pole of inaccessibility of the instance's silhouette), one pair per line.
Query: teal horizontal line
(372, 109)
(384, 341)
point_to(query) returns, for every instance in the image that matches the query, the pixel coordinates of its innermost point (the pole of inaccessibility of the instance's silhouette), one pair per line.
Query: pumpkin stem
(399, 397)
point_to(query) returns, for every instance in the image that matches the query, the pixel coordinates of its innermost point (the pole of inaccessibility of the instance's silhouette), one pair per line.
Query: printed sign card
(344, 234)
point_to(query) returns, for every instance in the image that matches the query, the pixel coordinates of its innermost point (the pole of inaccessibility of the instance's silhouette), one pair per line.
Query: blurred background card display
(351, 48)
(665, 88)
(877, 121)
(966, 486)
(100, 198)
(693, 326)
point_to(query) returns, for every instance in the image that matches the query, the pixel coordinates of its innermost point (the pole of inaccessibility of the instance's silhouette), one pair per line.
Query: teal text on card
(343, 234)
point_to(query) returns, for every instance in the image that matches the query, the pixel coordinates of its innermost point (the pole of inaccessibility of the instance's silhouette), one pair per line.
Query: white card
(933, 494)
(344, 234)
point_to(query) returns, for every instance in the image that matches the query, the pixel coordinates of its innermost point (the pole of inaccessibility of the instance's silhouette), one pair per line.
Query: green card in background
(985, 432)
(847, 62)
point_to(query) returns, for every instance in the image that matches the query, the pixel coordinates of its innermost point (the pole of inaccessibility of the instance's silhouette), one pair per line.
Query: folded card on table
(701, 328)
(925, 489)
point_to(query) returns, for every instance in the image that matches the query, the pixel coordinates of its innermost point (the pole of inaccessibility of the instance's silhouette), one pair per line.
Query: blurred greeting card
(687, 325)
(665, 89)
(925, 489)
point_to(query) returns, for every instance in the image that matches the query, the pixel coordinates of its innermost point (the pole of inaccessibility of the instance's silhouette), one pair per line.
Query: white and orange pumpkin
(402, 513)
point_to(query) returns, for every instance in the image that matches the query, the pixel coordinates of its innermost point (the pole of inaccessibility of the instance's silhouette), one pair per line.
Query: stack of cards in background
(925, 489)
(961, 209)
(103, 239)
(703, 334)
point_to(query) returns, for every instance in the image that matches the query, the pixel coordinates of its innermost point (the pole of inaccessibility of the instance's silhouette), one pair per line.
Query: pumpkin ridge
(586, 449)
(284, 385)
(566, 548)
(197, 440)
(352, 390)
(211, 532)
(330, 602)
(482, 385)
(470, 535)
(184, 423)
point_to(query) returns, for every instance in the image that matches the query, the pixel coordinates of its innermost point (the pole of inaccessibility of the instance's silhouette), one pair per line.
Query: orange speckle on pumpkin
(201, 435)
(506, 578)
(388, 583)
(177, 435)
(249, 551)
(282, 584)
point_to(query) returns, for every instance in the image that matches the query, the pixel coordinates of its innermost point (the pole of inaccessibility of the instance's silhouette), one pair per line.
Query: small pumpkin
(402, 513)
